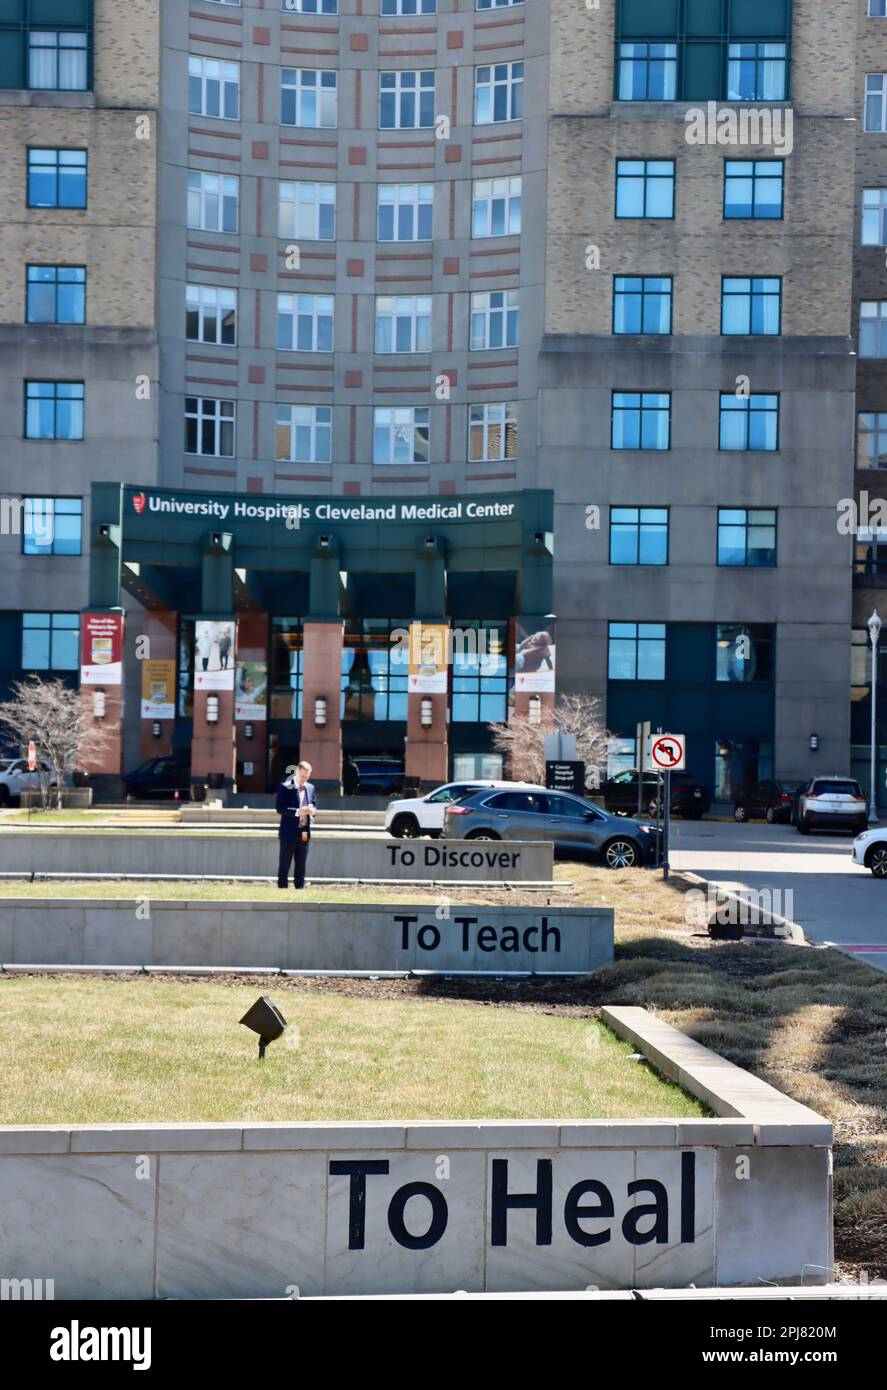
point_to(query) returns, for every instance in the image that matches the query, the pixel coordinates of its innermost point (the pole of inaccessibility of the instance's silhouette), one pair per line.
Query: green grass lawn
(106, 1050)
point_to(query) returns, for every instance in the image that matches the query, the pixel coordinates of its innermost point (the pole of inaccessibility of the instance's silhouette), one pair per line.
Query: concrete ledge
(253, 1210)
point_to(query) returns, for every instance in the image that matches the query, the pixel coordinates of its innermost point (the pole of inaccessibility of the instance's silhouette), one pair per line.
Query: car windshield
(837, 789)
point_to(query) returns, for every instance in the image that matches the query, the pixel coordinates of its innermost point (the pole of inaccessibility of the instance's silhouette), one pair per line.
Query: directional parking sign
(668, 752)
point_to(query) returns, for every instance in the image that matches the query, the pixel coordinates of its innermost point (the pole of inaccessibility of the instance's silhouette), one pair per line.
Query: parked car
(835, 803)
(424, 815)
(870, 849)
(688, 796)
(159, 778)
(767, 800)
(567, 821)
(372, 776)
(16, 777)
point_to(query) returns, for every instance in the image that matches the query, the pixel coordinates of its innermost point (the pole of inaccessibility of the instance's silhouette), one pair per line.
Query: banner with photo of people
(251, 691)
(214, 654)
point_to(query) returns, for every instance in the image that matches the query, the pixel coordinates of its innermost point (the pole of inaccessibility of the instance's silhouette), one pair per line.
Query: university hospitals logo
(138, 501)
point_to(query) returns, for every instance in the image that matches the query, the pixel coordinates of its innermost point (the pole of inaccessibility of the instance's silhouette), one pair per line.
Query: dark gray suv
(573, 825)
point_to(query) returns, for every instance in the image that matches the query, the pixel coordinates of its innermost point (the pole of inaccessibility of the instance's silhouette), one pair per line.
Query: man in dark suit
(296, 805)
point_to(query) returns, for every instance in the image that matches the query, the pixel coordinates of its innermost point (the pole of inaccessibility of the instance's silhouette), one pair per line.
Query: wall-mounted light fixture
(155, 728)
(426, 714)
(212, 709)
(320, 711)
(104, 530)
(248, 731)
(429, 542)
(534, 710)
(814, 742)
(324, 542)
(98, 704)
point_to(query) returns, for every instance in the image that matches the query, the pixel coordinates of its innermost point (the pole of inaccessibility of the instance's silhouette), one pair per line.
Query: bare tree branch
(53, 715)
(522, 742)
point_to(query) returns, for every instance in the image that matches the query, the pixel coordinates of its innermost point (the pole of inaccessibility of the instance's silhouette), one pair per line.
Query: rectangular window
(310, 6)
(210, 315)
(749, 422)
(406, 211)
(286, 667)
(212, 201)
(873, 328)
(638, 535)
(871, 440)
(58, 60)
(50, 641)
(874, 215)
(56, 294)
(401, 434)
(308, 97)
(492, 432)
(756, 72)
(498, 93)
(307, 211)
(54, 409)
(406, 100)
(403, 324)
(374, 675)
(213, 88)
(642, 304)
(636, 652)
(753, 188)
(744, 653)
(877, 9)
(480, 671)
(875, 115)
(209, 427)
(304, 434)
(751, 306)
(52, 526)
(647, 71)
(640, 420)
(496, 207)
(56, 178)
(746, 537)
(645, 188)
(494, 319)
(495, 4)
(407, 7)
(305, 322)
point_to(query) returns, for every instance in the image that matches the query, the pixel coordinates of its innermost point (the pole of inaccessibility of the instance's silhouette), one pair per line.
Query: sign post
(642, 734)
(669, 754)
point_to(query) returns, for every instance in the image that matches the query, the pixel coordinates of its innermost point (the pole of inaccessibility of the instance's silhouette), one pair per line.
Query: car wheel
(876, 860)
(739, 813)
(621, 854)
(771, 815)
(653, 809)
(405, 828)
(483, 835)
(803, 825)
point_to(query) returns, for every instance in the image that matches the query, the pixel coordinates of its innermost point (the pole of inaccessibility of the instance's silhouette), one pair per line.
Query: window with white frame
(407, 7)
(209, 427)
(304, 433)
(307, 210)
(212, 201)
(498, 93)
(406, 100)
(403, 323)
(210, 315)
(492, 432)
(496, 207)
(305, 322)
(875, 118)
(309, 97)
(873, 328)
(494, 319)
(213, 88)
(401, 434)
(874, 215)
(310, 6)
(495, 4)
(406, 211)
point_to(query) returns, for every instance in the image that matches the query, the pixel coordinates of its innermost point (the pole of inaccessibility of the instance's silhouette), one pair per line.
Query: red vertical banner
(101, 649)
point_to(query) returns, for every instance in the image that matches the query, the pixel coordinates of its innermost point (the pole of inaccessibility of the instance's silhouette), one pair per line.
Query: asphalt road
(832, 899)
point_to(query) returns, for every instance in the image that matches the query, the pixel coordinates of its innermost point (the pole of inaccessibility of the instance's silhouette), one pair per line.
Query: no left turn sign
(669, 752)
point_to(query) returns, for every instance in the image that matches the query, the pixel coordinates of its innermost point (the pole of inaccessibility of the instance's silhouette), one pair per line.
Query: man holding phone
(296, 805)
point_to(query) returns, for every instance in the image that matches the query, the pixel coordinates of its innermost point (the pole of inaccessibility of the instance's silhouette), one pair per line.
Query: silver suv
(572, 825)
(834, 803)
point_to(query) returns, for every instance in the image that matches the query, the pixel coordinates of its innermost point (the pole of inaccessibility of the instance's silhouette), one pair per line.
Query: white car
(870, 850)
(831, 803)
(15, 778)
(424, 815)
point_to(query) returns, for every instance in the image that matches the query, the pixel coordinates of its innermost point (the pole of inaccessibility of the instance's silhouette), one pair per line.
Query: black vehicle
(372, 776)
(688, 796)
(160, 778)
(767, 800)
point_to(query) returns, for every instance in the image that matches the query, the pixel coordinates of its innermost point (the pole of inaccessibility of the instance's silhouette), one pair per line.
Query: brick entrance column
(213, 748)
(101, 698)
(321, 744)
(159, 626)
(252, 656)
(427, 751)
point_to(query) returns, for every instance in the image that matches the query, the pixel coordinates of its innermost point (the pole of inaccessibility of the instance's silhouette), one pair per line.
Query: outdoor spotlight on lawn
(264, 1018)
